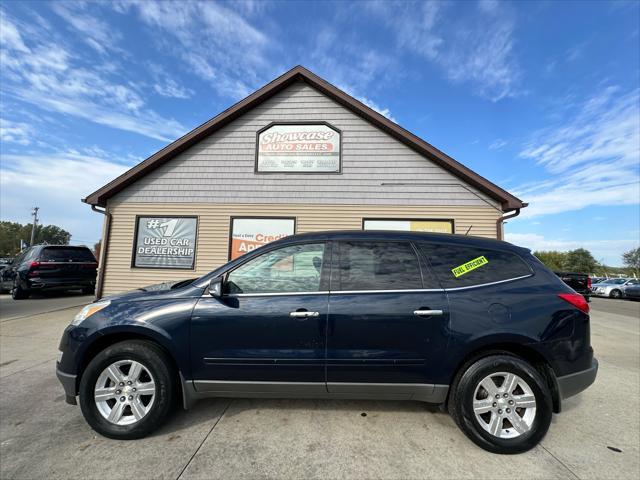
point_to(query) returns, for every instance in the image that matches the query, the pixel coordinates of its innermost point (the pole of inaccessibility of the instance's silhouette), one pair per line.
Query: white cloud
(593, 156)
(15, 132)
(381, 110)
(53, 78)
(357, 69)
(477, 49)
(95, 32)
(10, 36)
(608, 251)
(497, 144)
(171, 89)
(56, 182)
(214, 41)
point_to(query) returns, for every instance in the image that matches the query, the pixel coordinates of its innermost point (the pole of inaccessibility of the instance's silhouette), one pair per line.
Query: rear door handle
(427, 313)
(304, 314)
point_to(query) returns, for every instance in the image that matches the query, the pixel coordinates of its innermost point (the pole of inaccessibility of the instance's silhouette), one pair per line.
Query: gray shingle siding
(220, 168)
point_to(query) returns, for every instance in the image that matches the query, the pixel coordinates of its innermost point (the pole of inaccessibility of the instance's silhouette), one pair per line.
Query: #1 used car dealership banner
(250, 233)
(165, 242)
(301, 148)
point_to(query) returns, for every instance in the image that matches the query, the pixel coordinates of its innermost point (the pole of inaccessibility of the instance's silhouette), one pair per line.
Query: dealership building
(296, 156)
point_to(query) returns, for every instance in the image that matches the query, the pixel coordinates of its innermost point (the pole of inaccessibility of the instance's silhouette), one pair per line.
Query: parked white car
(613, 287)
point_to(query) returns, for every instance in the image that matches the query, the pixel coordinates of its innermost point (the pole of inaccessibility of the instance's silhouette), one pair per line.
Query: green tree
(552, 259)
(631, 259)
(580, 260)
(11, 233)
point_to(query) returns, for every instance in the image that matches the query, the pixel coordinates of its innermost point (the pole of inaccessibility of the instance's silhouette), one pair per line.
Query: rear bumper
(574, 383)
(37, 283)
(68, 382)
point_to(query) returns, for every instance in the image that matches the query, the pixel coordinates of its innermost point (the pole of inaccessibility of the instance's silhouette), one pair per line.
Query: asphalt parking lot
(596, 436)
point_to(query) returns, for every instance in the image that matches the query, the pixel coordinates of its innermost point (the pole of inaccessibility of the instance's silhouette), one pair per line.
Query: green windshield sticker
(471, 265)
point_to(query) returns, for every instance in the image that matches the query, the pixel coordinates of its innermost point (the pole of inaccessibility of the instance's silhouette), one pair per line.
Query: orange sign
(250, 233)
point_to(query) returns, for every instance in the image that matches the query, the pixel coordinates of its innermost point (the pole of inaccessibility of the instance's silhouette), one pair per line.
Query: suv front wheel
(128, 390)
(502, 404)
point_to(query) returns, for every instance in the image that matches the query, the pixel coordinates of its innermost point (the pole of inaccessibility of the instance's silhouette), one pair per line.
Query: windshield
(616, 281)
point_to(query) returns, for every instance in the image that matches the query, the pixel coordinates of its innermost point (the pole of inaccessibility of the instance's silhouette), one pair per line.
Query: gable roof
(299, 73)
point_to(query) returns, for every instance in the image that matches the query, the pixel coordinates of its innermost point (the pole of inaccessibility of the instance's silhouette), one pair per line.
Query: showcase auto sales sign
(304, 148)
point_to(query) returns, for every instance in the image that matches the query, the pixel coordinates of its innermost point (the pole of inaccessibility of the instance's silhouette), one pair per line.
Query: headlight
(89, 310)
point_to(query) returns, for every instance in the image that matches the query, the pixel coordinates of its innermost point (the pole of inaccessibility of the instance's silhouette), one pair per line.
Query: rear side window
(377, 266)
(464, 266)
(66, 255)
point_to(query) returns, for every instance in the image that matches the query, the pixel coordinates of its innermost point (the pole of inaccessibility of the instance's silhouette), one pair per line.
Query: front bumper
(68, 382)
(569, 385)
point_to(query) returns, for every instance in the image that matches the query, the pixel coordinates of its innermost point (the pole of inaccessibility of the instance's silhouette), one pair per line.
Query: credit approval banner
(250, 233)
(300, 148)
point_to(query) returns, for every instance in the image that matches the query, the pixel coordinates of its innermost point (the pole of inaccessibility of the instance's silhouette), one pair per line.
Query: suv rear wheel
(502, 404)
(128, 390)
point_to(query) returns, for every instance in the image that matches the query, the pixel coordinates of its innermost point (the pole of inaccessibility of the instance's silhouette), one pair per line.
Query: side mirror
(215, 287)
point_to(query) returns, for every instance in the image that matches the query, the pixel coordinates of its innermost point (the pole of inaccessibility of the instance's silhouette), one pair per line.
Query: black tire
(615, 293)
(154, 359)
(19, 293)
(89, 290)
(462, 395)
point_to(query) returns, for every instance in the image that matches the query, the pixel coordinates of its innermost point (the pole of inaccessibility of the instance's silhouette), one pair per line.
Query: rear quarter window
(465, 266)
(66, 255)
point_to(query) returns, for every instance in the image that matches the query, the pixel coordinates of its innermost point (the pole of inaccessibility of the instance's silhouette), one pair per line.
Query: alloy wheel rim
(504, 405)
(125, 392)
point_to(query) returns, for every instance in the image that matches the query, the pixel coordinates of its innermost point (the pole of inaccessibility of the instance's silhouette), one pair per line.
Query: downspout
(500, 221)
(106, 233)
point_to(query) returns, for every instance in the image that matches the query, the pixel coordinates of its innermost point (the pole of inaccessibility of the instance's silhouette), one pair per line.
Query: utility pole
(35, 224)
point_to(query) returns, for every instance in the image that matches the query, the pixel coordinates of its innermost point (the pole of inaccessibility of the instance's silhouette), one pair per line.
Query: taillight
(588, 282)
(576, 300)
(41, 265)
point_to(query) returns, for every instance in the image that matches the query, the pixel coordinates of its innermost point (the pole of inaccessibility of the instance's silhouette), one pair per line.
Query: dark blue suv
(478, 326)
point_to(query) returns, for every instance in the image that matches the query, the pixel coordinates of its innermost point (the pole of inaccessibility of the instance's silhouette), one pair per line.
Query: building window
(165, 242)
(250, 233)
(435, 225)
(298, 148)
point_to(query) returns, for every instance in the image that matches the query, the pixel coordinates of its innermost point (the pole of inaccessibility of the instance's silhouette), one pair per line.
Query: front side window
(295, 268)
(464, 266)
(378, 266)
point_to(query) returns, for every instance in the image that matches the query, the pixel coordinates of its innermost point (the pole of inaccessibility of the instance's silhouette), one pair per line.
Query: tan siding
(213, 230)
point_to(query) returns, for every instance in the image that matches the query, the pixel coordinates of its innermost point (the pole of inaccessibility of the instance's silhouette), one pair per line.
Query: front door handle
(427, 313)
(304, 314)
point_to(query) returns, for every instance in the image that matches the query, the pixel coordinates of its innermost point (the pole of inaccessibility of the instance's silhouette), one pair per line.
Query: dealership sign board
(437, 226)
(165, 242)
(298, 148)
(250, 233)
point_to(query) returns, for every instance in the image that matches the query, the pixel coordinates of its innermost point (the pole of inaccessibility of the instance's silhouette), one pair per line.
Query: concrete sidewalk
(42, 437)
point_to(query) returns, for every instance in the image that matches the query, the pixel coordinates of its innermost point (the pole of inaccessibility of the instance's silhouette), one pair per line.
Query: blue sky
(542, 98)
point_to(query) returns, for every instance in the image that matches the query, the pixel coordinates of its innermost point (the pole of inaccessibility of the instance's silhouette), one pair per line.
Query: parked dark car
(5, 275)
(53, 267)
(631, 292)
(580, 282)
(477, 325)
